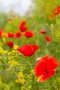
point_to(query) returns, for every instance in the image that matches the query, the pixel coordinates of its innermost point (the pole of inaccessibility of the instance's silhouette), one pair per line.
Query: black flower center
(46, 71)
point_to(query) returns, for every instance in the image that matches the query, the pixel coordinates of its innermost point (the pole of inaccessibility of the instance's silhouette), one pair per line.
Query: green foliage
(3, 20)
(13, 25)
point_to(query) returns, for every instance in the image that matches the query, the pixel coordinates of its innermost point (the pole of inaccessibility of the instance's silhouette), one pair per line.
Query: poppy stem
(53, 87)
(36, 84)
(56, 82)
(29, 62)
(51, 84)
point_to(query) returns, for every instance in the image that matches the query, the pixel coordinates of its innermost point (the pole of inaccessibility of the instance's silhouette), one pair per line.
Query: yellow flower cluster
(12, 55)
(4, 35)
(1, 57)
(20, 78)
(1, 44)
(29, 87)
(13, 63)
(3, 51)
(4, 40)
(22, 88)
(15, 47)
(0, 81)
(31, 74)
(3, 85)
(13, 52)
(32, 71)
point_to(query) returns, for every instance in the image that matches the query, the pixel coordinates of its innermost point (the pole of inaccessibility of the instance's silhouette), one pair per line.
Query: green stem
(29, 62)
(53, 87)
(56, 83)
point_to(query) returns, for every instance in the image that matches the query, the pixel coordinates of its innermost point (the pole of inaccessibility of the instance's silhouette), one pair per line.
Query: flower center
(46, 71)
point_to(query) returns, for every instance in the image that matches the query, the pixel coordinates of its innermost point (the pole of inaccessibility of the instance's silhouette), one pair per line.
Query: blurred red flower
(22, 26)
(9, 19)
(28, 50)
(29, 34)
(55, 12)
(1, 31)
(18, 34)
(48, 39)
(58, 9)
(52, 15)
(13, 15)
(10, 44)
(10, 35)
(45, 68)
(43, 32)
(35, 47)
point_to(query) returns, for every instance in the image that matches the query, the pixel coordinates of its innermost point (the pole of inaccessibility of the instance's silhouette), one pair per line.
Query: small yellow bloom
(20, 78)
(1, 44)
(20, 75)
(29, 76)
(4, 40)
(1, 57)
(29, 87)
(32, 71)
(22, 88)
(15, 47)
(21, 81)
(13, 63)
(1, 81)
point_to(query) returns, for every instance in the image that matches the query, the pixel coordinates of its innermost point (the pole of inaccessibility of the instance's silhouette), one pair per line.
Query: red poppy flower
(27, 50)
(42, 31)
(58, 10)
(35, 47)
(45, 68)
(55, 12)
(10, 35)
(23, 22)
(48, 39)
(18, 35)
(29, 34)
(1, 31)
(10, 44)
(22, 26)
(9, 19)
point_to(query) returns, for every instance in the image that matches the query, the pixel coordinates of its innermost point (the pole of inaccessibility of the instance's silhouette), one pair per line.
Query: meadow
(30, 48)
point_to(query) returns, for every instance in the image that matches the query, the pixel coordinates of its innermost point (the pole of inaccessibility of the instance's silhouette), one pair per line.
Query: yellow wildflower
(21, 81)
(32, 71)
(29, 87)
(22, 88)
(29, 76)
(15, 47)
(13, 63)
(20, 75)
